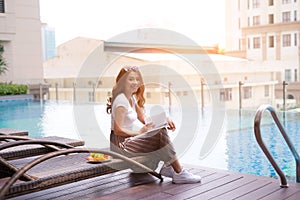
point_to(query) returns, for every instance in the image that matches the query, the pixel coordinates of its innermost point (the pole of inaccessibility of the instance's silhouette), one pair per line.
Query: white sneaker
(167, 171)
(186, 177)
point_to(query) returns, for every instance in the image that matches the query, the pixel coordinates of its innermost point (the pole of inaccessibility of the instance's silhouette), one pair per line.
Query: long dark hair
(120, 86)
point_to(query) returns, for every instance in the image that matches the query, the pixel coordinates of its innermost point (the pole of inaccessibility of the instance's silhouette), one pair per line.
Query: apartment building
(266, 30)
(20, 37)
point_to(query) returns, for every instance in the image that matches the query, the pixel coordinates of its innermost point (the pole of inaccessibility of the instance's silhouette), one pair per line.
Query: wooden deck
(216, 184)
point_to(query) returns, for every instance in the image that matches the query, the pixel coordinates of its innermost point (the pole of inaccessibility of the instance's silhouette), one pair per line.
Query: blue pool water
(245, 156)
(236, 150)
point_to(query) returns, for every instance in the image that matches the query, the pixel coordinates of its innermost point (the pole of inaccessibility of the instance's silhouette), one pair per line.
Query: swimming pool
(236, 150)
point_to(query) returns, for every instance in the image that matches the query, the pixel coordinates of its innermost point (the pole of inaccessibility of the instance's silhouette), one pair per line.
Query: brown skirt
(156, 144)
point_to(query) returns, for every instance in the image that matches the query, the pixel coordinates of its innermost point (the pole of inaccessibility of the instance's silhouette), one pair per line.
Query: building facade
(20, 36)
(266, 30)
(74, 74)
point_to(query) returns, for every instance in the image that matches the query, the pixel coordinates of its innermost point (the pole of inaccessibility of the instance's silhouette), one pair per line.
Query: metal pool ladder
(259, 140)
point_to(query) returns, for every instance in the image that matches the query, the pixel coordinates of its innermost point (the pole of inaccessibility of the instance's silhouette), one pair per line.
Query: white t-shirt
(131, 114)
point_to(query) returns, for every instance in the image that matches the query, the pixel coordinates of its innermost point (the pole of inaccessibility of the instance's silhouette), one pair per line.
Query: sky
(202, 21)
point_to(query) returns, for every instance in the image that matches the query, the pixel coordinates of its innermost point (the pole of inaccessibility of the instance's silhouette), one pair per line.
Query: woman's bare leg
(176, 166)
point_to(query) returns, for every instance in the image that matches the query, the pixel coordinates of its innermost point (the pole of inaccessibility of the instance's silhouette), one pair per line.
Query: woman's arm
(140, 114)
(118, 124)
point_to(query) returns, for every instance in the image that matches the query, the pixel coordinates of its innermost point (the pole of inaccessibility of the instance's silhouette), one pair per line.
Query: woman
(126, 106)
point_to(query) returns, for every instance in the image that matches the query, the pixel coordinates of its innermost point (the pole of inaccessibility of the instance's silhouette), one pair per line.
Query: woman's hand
(171, 125)
(146, 127)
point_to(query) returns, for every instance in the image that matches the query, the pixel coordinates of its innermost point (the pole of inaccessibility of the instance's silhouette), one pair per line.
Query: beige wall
(21, 37)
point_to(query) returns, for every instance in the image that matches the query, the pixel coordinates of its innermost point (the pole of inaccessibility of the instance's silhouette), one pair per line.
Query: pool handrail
(257, 132)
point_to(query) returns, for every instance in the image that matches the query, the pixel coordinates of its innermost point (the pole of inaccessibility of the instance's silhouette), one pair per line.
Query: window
(271, 19)
(255, 4)
(271, 41)
(91, 97)
(247, 92)
(2, 9)
(271, 2)
(286, 16)
(286, 40)
(267, 90)
(295, 39)
(226, 94)
(256, 20)
(288, 75)
(295, 15)
(296, 75)
(256, 43)
(286, 1)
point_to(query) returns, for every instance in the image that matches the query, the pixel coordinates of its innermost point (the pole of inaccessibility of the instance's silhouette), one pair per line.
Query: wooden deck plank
(204, 187)
(132, 183)
(157, 196)
(262, 192)
(295, 196)
(216, 184)
(222, 189)
(283, 193)
(156, 187)
(142, 191)
(150, 191)
(92, 193)
(243, 190)
(139, 192)
(179, 188)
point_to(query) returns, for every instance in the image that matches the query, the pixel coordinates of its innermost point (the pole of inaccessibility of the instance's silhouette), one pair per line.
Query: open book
(159, 120)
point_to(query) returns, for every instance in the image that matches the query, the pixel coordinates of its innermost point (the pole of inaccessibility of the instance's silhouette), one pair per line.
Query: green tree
(3, 65)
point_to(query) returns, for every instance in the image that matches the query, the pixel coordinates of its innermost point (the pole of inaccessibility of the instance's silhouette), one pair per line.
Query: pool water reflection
(236, 150)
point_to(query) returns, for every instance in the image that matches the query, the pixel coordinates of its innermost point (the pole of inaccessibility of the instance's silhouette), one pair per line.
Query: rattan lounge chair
(24, 148)
(11, 131)
(62, 167)
(24, 151)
